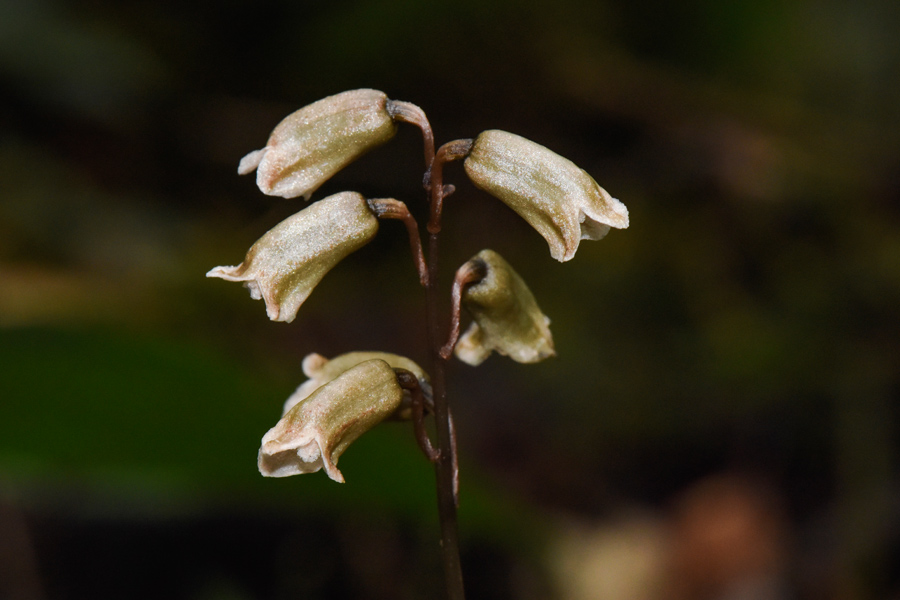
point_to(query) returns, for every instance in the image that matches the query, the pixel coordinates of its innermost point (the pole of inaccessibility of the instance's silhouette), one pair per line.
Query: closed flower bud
(315, 432)
(285, 264)
(315, 142)
(560, 200)
(505, 316)
(321, 370)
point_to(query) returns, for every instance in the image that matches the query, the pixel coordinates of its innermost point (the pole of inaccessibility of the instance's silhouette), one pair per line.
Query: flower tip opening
(618, 213)
(331, 469)
(250, 162)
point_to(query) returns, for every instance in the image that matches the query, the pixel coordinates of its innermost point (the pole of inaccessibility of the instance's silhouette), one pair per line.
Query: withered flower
(315, 142)
(559, 199)
(318, 429)
(285, 264)
(506, 317)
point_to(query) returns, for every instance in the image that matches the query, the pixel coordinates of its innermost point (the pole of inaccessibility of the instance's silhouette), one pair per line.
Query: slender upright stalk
(446, 464)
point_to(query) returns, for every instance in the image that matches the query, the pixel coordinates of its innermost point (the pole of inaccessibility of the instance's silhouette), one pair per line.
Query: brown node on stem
(455, 150)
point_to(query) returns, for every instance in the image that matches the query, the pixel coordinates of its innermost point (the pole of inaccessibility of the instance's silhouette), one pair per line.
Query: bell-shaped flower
(285, 264)
(321, 370)
(506, 317)
(315, 142)
(559, 199)
(318, 429)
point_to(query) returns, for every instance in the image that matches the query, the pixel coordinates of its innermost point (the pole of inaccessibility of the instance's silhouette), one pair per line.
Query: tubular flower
(505, 316)
(560, 200)
(318, 429)
(315, 142)
(285, 264)
(321, 370)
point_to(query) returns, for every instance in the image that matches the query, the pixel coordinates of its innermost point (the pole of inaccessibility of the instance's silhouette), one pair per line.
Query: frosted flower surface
(319, 428)
(556, 197)
(285, 264)
(312, 144)
(321, 370)
(505, 316)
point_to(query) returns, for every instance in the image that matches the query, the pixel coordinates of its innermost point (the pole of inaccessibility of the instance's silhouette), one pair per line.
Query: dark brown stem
(454, 150)
(388, 208)
(408, 112)
(446, 466)
(410, 382)
(471, 272)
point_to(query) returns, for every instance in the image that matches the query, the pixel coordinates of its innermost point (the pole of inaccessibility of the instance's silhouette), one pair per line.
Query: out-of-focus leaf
(86, 67)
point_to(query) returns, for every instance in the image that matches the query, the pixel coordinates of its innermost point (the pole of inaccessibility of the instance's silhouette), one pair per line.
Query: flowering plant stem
(352, 393)
(349, 394)
(446, 470)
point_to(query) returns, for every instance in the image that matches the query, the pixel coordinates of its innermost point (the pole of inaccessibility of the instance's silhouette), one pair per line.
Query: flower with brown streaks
(285, 264)
(315, 142)
(559, 199)
(321, 370)
(506, 317)
(318, 429)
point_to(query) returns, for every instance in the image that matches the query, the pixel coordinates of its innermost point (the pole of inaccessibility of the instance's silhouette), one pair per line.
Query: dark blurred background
(720, 422)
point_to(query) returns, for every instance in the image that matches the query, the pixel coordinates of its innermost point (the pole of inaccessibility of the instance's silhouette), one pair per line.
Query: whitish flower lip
(506, 317)
(559, 199)
(321, 370)
(312, 144)
(318, 429)
(284, 265)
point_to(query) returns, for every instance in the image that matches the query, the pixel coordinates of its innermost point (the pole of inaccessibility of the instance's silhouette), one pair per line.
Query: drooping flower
(315, 142)
(318, 429)
(285, 264)
(321, 370)
(559, 199)
(506, 317)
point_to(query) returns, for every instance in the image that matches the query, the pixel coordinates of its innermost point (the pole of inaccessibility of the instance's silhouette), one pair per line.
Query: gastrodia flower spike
(321, 370)
(285, 264)
(506, 317)
(560, 200)
(315, 142)
(316, 431)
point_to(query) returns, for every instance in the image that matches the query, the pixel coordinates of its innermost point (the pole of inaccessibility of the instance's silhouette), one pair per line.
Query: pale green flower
(284, 265)
(321, 370)
(505, 315)
(559, 199)
(317, 430)
(312, 144)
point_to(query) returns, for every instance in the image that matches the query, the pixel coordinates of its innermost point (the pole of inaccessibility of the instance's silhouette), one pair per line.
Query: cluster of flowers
(348, 395)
